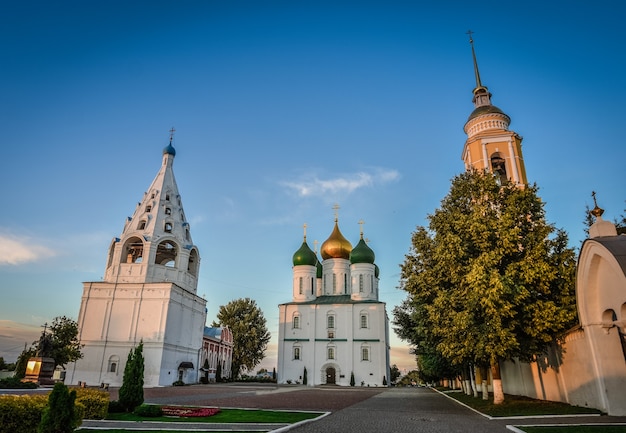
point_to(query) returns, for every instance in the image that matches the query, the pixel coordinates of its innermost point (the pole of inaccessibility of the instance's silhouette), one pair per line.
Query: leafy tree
(394, 373)
(22, 361)
(60, 342)
(250, 334)
(488, 280)
(60, 415)
(131, 391)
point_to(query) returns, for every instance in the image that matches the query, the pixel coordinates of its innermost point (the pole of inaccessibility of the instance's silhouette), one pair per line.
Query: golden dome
(336, 246)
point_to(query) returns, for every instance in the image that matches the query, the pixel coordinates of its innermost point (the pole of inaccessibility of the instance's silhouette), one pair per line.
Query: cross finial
(336, 209)
(315, 242)
(304, 227)
(596, 211)
(470, 33)
(361, 222)
(172, 131)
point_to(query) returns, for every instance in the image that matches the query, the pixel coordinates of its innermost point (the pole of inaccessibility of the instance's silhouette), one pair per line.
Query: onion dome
(304, 256)
(376, 271)
(320, 270)
(169, 150)
(362, 253)
(336, 246)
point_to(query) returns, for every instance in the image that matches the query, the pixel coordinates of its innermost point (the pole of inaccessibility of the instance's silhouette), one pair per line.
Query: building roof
(333, 299)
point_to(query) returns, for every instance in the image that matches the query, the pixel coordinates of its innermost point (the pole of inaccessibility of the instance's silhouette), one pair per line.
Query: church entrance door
(330, 376)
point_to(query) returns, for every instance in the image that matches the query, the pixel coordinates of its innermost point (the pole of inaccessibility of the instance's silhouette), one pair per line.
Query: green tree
(488, 280)
(60, 415)
(250, 334)
(59, 342)
(22, 361)
(131, 391)
(394, 373)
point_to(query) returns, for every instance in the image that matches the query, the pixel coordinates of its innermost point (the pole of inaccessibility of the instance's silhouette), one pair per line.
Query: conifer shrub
(131, 391)
(352, 381)
(14, 382)
(60, 415)
(304, 377)
(21, 413)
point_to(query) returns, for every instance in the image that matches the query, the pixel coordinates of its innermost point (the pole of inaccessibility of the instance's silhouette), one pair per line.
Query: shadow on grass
(515, 405)
(575, 429)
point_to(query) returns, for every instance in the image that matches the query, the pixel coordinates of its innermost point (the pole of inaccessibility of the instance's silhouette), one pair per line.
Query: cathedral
(335, 331)
(148, 295)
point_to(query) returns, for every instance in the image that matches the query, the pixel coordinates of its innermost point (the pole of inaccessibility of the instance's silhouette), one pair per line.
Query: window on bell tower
(498, 167)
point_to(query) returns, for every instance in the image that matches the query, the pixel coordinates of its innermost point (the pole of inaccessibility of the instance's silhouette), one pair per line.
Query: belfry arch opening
(498, 167)
(132, 251)
(166, 254)
(192, 266)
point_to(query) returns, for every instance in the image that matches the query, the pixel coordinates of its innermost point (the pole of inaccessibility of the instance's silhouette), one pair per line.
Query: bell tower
(490, 145)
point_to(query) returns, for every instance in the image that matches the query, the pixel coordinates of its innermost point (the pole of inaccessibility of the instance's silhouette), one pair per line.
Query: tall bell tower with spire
(490, 145)
(148, 294)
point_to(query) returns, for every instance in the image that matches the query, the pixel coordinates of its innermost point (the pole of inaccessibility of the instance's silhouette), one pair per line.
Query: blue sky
(281, 109)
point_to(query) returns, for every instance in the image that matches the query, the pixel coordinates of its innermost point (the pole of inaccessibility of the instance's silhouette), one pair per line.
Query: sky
(281, 110)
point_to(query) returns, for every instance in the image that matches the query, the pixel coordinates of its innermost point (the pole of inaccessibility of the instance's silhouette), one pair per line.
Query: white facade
(148, 295)
(335, 327)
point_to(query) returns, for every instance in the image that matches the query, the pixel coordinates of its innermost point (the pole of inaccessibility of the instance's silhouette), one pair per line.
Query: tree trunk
(498, 392)
(484, 386)
(473, 383)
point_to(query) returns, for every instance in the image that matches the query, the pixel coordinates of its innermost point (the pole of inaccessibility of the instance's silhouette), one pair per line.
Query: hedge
(22, 413)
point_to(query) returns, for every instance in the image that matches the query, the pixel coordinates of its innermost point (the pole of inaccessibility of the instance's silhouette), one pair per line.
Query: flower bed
(189, 411)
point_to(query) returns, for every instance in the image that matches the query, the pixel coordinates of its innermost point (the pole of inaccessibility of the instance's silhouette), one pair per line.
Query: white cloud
(346, 184)
(15, 251)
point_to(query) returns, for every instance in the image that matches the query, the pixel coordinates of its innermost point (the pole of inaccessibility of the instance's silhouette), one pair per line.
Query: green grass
(576, 429)
(227, 416)
(519, 406)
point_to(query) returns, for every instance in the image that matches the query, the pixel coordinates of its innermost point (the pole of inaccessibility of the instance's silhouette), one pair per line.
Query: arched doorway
(330, 376)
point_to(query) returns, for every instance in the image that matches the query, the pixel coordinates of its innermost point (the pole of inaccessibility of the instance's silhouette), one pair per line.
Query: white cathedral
(335, 331)
(148, 295)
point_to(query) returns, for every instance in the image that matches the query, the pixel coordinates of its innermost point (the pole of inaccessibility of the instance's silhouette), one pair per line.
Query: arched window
(142, 225)
(334, 283)
(330, 352)
(296, 321)
(114, 363)
(361, 283)
(363, 321)
(330, 321)
(365, 353)
(168, 227)
(345, 283)
(168, 211)
(297, 352)
(300, 285)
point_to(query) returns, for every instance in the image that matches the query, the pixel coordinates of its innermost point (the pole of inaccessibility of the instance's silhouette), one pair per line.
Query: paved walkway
(398, 410)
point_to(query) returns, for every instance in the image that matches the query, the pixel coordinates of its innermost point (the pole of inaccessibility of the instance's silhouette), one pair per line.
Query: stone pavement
(421, 410)
(357, 409)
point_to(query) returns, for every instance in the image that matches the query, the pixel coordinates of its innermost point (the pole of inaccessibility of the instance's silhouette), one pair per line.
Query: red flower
(189, 411)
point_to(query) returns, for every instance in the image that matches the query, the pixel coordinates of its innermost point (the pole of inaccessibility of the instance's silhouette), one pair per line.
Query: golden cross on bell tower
(336, 209)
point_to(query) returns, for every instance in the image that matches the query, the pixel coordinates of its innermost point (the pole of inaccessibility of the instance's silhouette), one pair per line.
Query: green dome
(376, 271)
(304, 256)
(362, 253)
(485, 109)
(320, 270)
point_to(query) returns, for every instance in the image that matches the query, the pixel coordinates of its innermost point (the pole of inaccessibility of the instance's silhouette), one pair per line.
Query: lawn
(575, 429)
(227, 416)
(520, 406)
